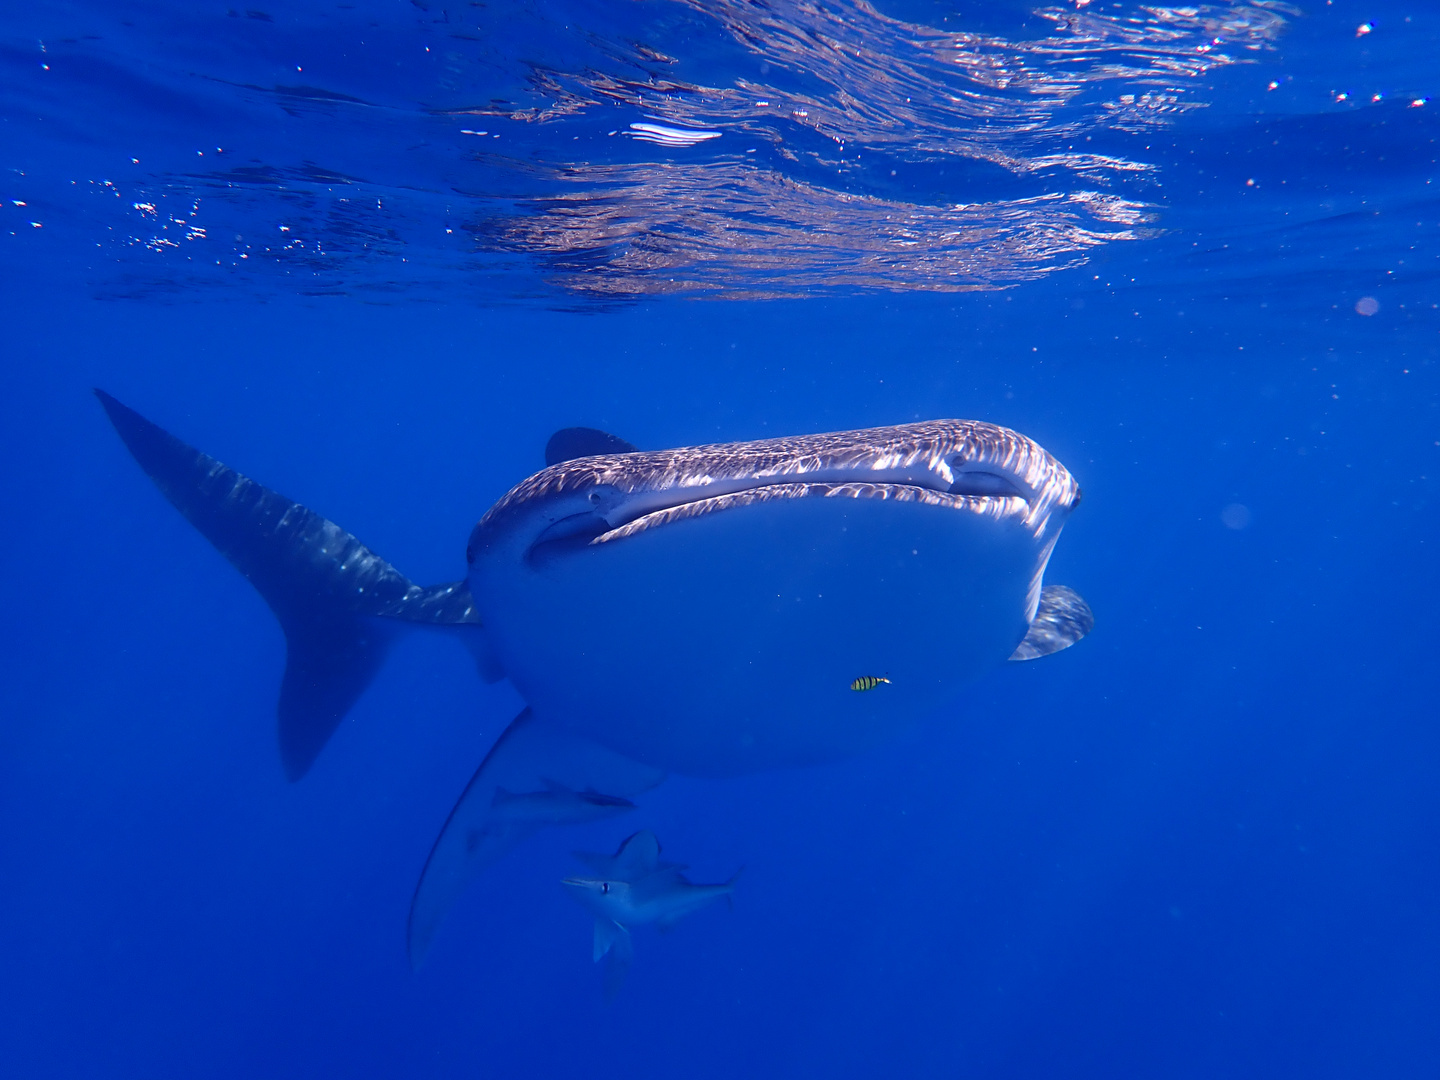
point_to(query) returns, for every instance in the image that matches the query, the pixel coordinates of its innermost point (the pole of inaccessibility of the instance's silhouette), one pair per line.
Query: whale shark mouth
(986, 493)
(994, 496)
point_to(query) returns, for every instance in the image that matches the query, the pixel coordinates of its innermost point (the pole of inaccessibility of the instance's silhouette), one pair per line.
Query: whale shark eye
(604, 497)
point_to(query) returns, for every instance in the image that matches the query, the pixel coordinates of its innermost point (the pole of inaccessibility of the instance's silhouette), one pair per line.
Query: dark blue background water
(1201, 843)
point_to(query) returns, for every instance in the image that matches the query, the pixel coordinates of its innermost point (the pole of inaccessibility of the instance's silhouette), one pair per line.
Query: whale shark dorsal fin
(529, 754)
(570, 443)
(1062, 619)
(339, 603)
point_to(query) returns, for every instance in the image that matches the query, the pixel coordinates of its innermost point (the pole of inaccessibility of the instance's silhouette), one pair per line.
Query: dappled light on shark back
(821, 546)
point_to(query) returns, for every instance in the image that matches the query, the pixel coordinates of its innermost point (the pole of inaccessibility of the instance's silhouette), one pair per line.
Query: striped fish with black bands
(868, 682)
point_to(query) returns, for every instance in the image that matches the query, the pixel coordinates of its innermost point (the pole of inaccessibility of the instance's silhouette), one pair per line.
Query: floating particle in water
(1367, 306)
(1235, 516)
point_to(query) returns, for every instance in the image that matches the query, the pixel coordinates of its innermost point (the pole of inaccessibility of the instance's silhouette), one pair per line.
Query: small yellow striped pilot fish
(868, 682)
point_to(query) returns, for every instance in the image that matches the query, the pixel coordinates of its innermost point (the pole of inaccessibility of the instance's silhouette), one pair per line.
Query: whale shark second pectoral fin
(1062, 619)
(535, 775)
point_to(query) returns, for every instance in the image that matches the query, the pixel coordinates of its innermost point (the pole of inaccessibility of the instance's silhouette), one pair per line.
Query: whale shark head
(706, 609)
(964, 465)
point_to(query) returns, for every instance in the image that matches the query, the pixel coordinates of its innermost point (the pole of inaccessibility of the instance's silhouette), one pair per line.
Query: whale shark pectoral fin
(338, 602)
(486, 662)
(570, 443)
(1062, 619)
(533, 757)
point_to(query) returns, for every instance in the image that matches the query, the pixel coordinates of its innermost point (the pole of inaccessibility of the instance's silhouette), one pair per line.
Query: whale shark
(705, 610)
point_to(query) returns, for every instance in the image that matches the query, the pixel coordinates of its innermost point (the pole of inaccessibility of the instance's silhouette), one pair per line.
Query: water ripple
(721, 147)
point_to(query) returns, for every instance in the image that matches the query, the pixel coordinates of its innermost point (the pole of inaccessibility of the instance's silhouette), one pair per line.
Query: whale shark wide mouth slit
(985, 493)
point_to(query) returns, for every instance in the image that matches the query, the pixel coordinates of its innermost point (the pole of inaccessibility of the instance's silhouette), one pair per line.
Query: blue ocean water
(373, 254)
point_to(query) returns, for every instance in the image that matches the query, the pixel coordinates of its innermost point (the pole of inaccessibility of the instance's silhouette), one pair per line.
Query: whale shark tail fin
(328, 664)
(339, 603)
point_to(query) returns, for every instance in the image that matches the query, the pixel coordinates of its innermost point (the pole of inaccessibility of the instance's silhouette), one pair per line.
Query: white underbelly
(727, 643)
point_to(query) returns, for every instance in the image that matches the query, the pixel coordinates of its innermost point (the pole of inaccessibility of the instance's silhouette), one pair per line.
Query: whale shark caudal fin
(339, 603)
(535, 775)
(1061, 620)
